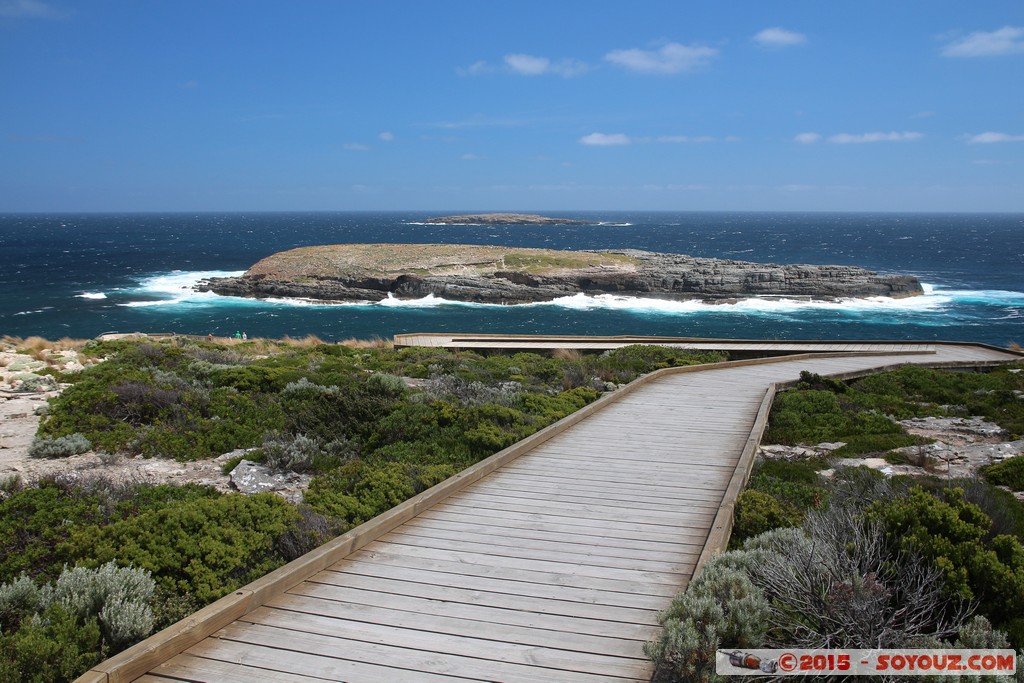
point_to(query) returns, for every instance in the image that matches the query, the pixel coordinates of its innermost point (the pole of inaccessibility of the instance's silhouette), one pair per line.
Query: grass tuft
(566, 354)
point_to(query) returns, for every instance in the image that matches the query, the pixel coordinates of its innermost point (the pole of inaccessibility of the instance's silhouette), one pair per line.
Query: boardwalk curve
(548, 561)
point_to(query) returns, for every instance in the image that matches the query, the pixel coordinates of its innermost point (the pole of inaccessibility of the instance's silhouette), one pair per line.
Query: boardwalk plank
(576, 510)
(558, 542)
(443, 623)
(471, 595)
(635, 504)
(566, 565)
(321, 666)
(551, 573)
(186, 667)
(622, 535)
(477, 649)
(484, 614)
(403, 663)
(540, 550)
(437, 577)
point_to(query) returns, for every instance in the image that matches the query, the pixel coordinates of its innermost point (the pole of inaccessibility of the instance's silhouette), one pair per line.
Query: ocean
(66, 275)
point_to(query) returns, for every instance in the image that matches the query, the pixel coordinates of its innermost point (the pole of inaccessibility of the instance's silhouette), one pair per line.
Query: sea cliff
(508, 275)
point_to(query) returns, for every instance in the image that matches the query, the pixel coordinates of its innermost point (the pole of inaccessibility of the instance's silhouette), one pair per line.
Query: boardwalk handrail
(144, 656)
(400, 340)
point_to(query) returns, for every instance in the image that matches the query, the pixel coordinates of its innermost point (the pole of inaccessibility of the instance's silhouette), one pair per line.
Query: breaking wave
(176, 290)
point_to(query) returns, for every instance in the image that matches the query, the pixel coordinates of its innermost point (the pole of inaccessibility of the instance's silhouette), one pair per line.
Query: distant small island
(491, 218)
(510, 275)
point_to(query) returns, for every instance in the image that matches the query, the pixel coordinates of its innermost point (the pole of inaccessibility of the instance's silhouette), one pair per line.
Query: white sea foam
(751, 305)
(311, 303)
(177, 287)
(996, 297)
(178, 281)
(429, 301)
(91, 295)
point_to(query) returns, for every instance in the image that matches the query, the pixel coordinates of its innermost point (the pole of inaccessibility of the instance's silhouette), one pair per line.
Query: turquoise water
(81, 275)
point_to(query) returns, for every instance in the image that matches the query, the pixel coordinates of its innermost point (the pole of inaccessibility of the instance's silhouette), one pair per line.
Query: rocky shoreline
(507, 275)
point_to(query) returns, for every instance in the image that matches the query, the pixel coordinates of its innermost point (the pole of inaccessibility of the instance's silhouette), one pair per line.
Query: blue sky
(132, 105)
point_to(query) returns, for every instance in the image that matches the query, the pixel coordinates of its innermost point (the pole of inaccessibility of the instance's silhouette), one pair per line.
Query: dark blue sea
(67, 275)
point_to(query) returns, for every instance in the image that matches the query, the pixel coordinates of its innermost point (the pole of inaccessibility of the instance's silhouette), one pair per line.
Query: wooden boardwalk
(750, 347)
(547, 562)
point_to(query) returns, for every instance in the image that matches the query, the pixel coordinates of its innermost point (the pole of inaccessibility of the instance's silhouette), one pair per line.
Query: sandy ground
(19, 421)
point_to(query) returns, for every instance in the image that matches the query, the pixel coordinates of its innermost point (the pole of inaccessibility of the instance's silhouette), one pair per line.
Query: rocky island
(493, 218)
(512, 275)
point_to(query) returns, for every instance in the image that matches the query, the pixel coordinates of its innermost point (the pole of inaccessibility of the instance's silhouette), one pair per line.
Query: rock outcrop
(508, 275)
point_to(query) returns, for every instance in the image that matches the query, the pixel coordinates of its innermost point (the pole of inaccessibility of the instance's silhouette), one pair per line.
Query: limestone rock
(508, 275)
(249, 477)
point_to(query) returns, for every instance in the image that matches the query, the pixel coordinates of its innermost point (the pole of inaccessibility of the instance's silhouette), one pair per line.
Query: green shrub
(59, 446)
(54, 648)
(1009, 473)
(794, 483)
(36, 383)
(1000, 506)
(294, 453)
(794, 471)
(359, 491)
(866, 444)
(34, 523)
(390, 386)
(815, 382)
(810, 416)
(720, 608)
(952, 533)
(456, 390)
(299, 453)
(207, 546)
(637, 359)
(118, 596)
(757, 512)
(57, 631)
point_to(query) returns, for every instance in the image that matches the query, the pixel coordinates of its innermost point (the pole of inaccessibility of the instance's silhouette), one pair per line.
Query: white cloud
(386, 136)
(850, 139)
(30, 9)
(779, 37)
(990, 137)
(604, 139)
(475, 69)
(671, 58)
(356, 147)
(1009, 40)
(529, 65)
(683, 139)
(807, 138)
